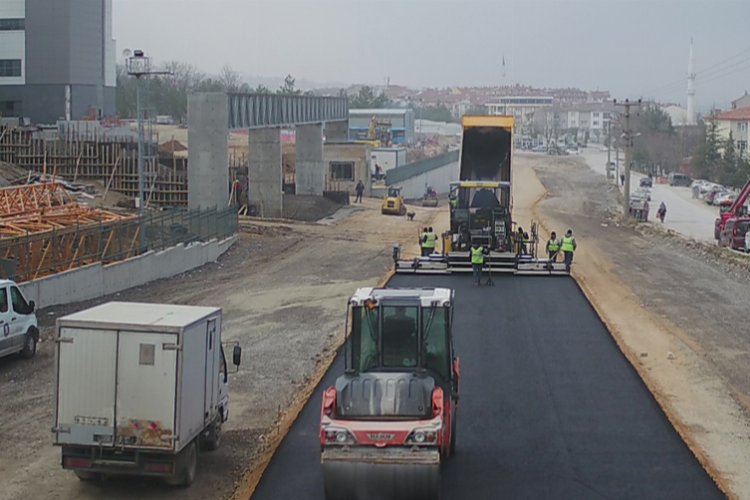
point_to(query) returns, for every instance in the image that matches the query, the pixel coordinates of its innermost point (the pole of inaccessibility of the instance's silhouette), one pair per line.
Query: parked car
(18, 325)
(734, 234)
(679, 179)
(647, 182)
(642, 193)
(721, 197)
(747, 241)
(709, 198)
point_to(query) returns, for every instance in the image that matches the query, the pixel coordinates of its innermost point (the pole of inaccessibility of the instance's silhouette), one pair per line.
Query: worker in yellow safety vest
(477, 253)
(553, 246)
(422, 239)
(568, 246)
(429, 243)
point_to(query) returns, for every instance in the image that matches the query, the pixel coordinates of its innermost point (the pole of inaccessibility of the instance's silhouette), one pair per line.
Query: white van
(19, 332)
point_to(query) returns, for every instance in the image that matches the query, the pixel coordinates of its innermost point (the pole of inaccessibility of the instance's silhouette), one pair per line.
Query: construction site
(297, 295)
(634, 343)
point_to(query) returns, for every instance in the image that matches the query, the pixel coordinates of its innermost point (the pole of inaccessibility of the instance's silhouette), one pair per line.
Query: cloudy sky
(632, 48)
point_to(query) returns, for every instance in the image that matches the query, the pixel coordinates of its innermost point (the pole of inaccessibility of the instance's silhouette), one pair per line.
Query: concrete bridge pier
(208, 133)
(265, 176)
(310, 177)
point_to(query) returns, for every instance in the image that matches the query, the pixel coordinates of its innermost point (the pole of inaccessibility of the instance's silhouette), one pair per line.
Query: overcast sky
(632, 48)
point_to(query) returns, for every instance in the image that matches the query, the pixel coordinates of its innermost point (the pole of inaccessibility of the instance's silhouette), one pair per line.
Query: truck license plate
(97, 421)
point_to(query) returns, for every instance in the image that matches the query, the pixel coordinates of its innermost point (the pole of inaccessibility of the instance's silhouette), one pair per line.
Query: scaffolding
(113, 161)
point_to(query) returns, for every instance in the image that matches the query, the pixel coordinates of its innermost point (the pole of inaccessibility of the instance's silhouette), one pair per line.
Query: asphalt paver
(549, 407)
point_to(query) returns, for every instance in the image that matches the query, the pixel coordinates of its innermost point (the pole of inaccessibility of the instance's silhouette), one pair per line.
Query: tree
(289, 88)
(261, 89)
(366, 99)
(230, 79)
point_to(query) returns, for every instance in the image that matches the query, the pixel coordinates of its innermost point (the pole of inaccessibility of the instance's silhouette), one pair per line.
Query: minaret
(691, 89)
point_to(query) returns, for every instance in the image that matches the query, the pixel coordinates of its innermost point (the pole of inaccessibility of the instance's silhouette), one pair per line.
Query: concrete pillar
(311, 175)
(265, 173)
(208, 151)
(337, 131)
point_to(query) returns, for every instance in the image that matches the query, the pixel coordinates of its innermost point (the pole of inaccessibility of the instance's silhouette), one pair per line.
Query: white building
(677, 114)
(734, 121)
(523, 108)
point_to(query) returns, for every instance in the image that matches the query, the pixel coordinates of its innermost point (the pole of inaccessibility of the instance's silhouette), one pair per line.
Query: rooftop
(426, 295)
(168, 316)
(733, 114)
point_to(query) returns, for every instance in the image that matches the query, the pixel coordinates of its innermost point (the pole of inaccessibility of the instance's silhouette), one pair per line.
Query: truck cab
(19, 332)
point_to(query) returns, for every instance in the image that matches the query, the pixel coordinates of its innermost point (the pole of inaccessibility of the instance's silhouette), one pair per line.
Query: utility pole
(628, 145)
(609, 147)
(138, 65)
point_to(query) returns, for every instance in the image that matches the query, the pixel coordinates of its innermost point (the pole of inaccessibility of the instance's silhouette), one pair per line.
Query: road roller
(389, 422)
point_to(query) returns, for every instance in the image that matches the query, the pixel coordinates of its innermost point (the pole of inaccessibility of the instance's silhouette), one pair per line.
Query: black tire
(85, 475)
(29, 343)
(213, 440)
(186, 465)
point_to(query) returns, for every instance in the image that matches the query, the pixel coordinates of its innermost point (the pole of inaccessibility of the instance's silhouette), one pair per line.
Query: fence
(33, 256)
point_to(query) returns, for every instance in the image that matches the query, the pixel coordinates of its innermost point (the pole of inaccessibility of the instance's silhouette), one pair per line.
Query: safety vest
(477, 255)
(454, 202)
(430, 239)
(553, 245)
(567, 244)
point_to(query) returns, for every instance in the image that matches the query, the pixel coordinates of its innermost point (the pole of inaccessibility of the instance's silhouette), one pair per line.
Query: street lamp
(139, 66)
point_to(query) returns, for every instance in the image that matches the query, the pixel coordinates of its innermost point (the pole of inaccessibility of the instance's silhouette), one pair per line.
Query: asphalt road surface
(549, 407)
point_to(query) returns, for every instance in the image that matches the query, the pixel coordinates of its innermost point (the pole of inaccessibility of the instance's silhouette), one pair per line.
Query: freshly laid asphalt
(549, 408)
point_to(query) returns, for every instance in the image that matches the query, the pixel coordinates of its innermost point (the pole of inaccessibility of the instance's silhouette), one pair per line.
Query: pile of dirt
(308, 208)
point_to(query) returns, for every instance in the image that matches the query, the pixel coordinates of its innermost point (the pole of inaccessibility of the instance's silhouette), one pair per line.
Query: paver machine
(481, 207)
(389, 422)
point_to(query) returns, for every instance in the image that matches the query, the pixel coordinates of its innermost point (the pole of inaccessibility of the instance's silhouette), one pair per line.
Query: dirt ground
(678, 312)
(283, 289)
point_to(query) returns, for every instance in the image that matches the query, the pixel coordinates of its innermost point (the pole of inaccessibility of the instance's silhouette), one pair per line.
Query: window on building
(742, 145)
(342, 170)
(742, 126)
(10, 108)
(10, 67)
(12, 24)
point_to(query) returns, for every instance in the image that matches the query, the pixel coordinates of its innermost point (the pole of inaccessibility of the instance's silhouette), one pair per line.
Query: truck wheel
(29, 343)
(85, 475)
(186, 465)
(213, 440)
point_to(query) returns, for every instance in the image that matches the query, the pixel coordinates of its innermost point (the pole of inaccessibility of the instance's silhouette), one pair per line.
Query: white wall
(95, 280)
(110, 48)
(12, 9)
(439, 179)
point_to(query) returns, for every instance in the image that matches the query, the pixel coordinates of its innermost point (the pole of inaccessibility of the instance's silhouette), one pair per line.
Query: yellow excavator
(393, 202)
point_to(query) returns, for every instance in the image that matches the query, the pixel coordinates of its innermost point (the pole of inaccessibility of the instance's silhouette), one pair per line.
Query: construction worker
(453, 202)
(360, 190)
(522, 240)
(477, 253)
(553, 246)
(568, 247)
(422, 240)
(430, 241)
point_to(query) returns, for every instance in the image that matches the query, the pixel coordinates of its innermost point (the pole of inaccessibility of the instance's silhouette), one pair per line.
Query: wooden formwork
(18, 200)
(65, 238)
(113, 162)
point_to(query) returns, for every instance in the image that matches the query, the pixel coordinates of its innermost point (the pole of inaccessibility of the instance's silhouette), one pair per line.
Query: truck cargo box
(138, 376)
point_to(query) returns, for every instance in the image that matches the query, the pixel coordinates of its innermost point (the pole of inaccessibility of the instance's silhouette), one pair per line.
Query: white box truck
(139, 388)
